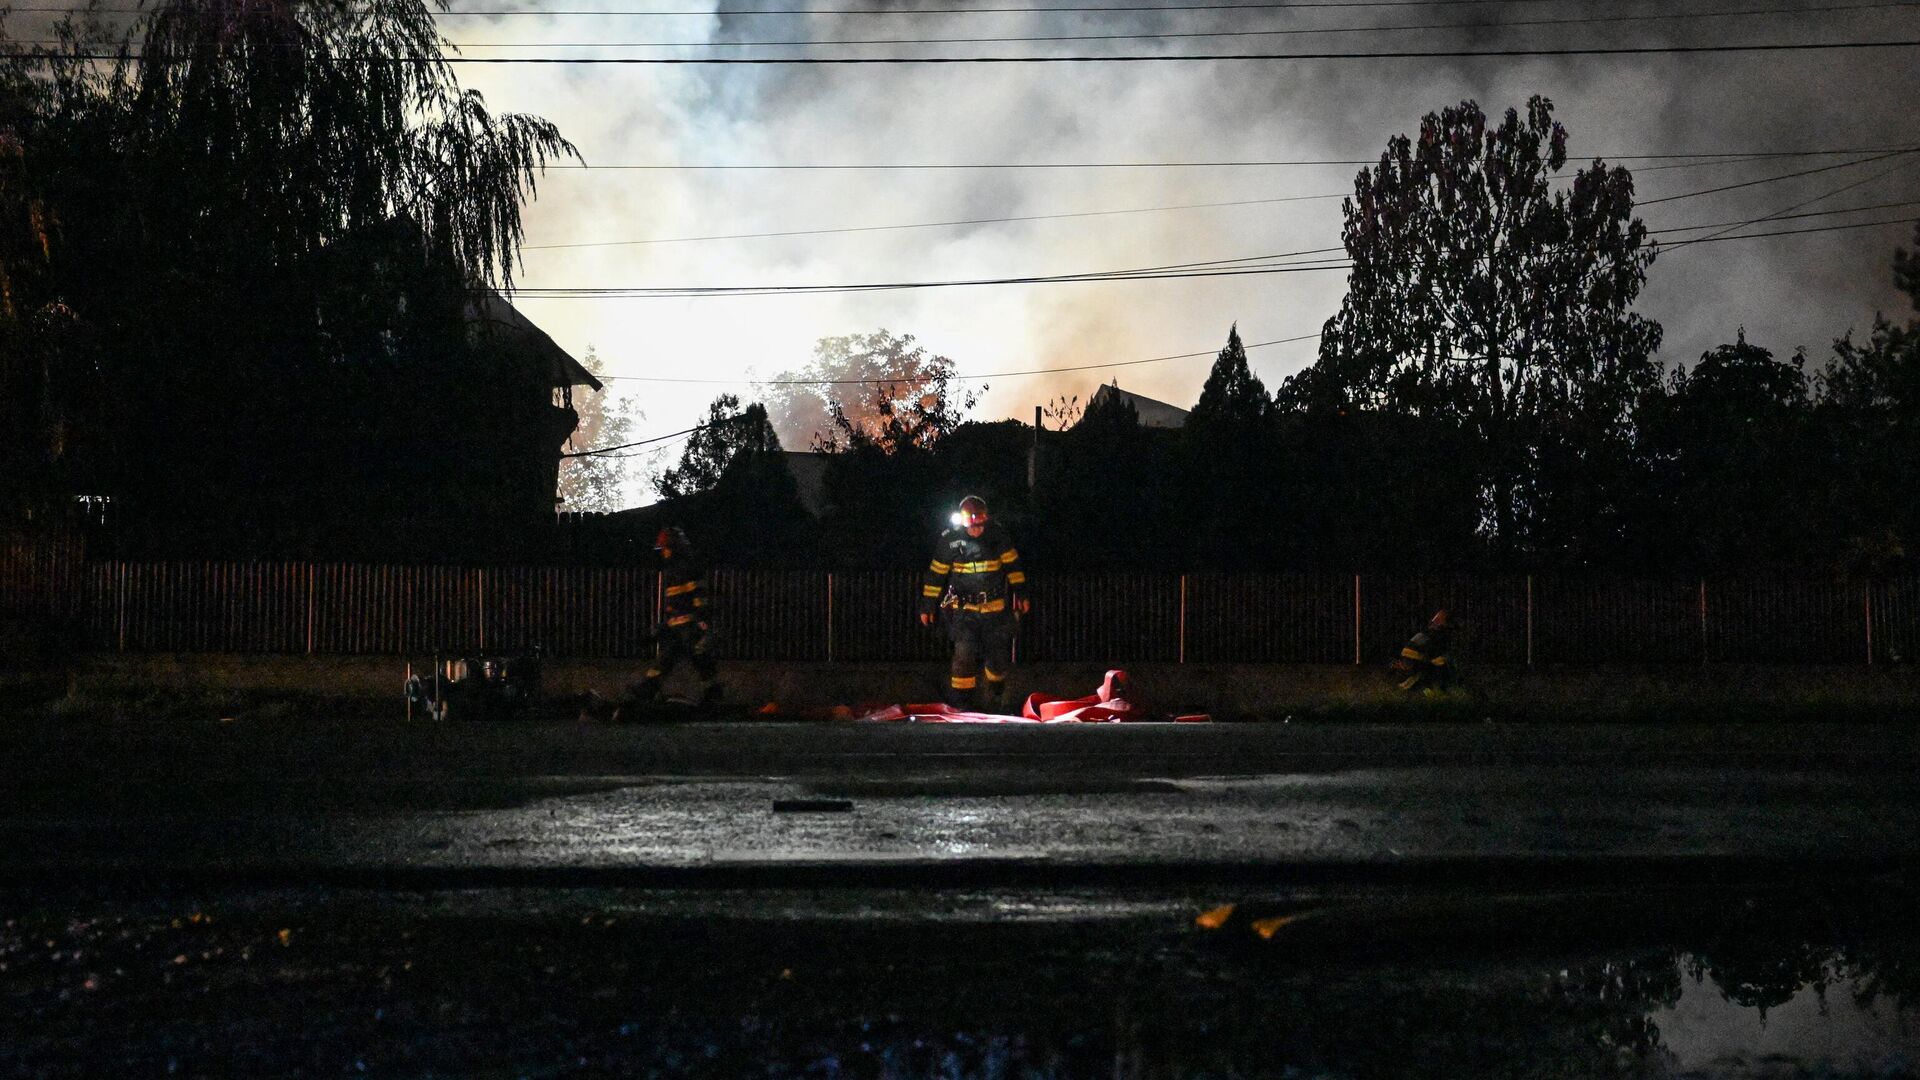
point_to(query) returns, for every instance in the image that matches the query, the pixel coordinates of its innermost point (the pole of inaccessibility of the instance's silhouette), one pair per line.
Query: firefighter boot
(996, 693)
(960, 689)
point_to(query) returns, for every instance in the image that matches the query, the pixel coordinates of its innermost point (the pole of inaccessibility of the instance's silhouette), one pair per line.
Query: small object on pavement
(1108, 705)
(1215, 918)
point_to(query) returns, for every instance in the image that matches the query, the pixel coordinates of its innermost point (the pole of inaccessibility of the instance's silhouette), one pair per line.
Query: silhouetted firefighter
(1425, 662)
(975, 584)
(683, 628)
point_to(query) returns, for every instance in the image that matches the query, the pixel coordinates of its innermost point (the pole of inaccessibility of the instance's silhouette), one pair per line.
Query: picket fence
(294, 607)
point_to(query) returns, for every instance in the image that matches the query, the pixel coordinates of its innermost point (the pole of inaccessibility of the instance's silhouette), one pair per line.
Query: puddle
(981, 983)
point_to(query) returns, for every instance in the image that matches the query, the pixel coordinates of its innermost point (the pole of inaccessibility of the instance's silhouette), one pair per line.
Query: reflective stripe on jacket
(983, 573)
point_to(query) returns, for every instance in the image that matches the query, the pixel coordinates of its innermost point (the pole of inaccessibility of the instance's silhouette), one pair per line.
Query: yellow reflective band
(680, 620)
(1018, 577)
(1009, 555)
(1214, 918)
(1266, 928)
(939, 567)
(680, 590)
(987, 608)
(699, 601)
(964, 682)
(1412, 653)
(653, 673)
(1439, 661)
(986, 566)
(929, 590)
(995, 676)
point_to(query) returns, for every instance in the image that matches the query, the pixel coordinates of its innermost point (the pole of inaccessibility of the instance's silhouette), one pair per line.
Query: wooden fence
(345, 608)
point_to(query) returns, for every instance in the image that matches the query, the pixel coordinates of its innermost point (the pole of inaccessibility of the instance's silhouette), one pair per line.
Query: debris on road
(1107, 705)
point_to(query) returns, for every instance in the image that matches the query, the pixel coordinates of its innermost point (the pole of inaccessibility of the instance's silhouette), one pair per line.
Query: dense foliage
(249, 239)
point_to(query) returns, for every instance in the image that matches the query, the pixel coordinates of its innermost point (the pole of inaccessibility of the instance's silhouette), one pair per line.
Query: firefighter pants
(982, 651)
(676, 644)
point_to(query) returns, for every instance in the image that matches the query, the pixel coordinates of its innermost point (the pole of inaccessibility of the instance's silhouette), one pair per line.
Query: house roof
(1153, 414)
(493, 310)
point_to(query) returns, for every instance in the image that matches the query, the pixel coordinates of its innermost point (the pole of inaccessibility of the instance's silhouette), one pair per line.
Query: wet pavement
(739, 804)
(236, 899)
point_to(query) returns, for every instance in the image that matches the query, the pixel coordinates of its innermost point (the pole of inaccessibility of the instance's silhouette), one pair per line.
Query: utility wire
(975, 377)
(935, 224)
(865, 12)
(1686, 159)
(1149, 360)
(1273, 262)
(597, 451)
(1788, 210)
(1776, 179)
(1113, 58)
(832, 230)
(1782, 217)
(1291, 31)
(1208, 271)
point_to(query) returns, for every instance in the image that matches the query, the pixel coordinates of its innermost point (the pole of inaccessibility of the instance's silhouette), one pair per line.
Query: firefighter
(683, 629)
(1425, 662)
(976, 583)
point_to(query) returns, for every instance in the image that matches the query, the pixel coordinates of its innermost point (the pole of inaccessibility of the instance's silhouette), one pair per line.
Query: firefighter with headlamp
(976, 583)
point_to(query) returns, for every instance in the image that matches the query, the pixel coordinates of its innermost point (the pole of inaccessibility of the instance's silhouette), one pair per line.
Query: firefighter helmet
(670, 538)
(973, 512)
(1439, 620)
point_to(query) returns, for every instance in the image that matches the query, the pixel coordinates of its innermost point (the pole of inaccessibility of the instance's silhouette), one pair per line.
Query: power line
(976, 377)
(1115, 58)
(980, 376)
(1254, 265)
(1790, 232)
(870, 12)
(1728, 157)
(1782, 217)
(934, 224)
(1775, 179)
(1788, 210)
(1291, 31)
(599, 450)
(848, 229)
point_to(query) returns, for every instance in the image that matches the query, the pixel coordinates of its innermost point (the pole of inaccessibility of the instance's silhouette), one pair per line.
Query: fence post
(1356, 620)
(1866, 592)
(1529, 620)
(120, 609)
(480, 607)
(310, 614)
(829, 616)
(1183, 619)
(1705, 647)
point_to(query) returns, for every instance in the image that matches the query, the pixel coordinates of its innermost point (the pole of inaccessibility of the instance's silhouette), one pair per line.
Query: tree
(728, 433)
(269, 217)
(593, 483)
(1233, 396)
(1481, 295)
(1737, 475)
(877, 389)
(1869, 402)
(1233, 508)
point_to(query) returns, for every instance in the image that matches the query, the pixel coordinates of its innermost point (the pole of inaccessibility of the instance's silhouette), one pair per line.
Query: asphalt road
(748, 805)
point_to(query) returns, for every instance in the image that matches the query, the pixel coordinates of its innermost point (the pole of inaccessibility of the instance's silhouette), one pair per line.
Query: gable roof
(1153, 414)
(492, 310)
